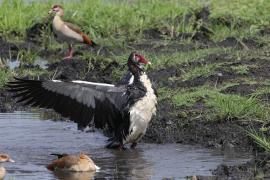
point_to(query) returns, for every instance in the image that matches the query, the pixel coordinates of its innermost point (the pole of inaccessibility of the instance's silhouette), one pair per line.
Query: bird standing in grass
(68, 32)
(4, 158)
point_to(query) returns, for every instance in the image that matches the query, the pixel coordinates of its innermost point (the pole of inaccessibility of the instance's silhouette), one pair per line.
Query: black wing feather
(82, 103)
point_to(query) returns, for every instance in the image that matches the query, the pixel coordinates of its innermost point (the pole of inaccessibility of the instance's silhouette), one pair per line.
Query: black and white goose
(125, 110)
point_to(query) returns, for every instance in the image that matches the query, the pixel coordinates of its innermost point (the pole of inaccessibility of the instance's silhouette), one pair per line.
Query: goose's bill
(11, 160)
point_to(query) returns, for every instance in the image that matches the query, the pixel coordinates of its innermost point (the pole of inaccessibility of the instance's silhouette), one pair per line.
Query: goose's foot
(133, 145)
(115, 144)
(68, 57)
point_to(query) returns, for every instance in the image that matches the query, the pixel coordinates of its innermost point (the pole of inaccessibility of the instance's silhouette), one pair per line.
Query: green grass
(223, 106)
(189, 98)
(235, 106)
(96, 17)
(17, 16)
(241, 69)
(181, 58)
(106, 19)
(251, 15)
(260, 139)
(261, 91)
(5, 76)
(27, 56)
(254, 11)
(199, 71)
(31, 73)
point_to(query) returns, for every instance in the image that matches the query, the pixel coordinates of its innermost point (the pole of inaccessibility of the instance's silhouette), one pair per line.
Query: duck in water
(4, 158)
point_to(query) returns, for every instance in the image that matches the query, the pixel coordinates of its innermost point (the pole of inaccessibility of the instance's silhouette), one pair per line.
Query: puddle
(15, 63)
(29, 140)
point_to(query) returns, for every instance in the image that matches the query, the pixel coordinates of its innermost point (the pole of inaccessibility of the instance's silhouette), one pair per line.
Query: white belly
(141, 113)
(2, 172)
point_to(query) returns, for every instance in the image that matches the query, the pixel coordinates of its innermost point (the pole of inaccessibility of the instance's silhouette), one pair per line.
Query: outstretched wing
(83, 102)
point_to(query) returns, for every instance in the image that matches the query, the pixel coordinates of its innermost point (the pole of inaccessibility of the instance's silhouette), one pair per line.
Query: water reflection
(74, 175)
(131, 163)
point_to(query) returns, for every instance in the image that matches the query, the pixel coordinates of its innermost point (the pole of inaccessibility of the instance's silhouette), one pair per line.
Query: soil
(243, 89)
(258, 168)
(7, 48)
(187, 126)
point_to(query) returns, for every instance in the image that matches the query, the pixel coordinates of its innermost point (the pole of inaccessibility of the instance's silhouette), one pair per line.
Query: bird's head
(57, 10)
(5, 158)
(136, 62)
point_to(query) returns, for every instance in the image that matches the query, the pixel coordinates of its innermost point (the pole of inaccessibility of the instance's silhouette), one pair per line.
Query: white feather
(131, 80)
(93, 83)
(141, 112)
(97, 168)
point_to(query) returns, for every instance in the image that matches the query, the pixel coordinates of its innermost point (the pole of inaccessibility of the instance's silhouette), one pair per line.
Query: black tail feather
(59, 155)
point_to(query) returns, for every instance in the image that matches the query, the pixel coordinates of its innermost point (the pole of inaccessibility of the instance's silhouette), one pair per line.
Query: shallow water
(29, 140)
(15, 63)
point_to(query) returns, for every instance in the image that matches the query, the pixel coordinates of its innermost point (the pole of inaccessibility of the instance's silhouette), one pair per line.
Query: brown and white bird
(68, 32)
(4, 158)
(73, 163)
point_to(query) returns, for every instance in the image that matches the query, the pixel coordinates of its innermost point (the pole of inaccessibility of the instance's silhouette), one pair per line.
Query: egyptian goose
(67, 32)
(123, 110)
(4, 158)
(74, 163)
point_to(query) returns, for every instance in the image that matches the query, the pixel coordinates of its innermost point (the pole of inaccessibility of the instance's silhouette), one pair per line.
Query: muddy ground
(187, 125)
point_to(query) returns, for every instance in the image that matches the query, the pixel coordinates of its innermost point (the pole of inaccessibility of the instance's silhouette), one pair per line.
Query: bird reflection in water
(131, 164)
(64, 175)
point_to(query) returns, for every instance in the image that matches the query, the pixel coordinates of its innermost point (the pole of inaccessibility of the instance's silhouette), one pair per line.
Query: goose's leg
(70, 52)
(115, 144)
(133, 145)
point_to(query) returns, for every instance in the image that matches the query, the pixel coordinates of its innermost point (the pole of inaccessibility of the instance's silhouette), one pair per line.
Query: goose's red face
(139, 59)
(136, 62)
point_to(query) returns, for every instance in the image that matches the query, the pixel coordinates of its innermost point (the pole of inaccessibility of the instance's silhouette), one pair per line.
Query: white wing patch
(56, 81)
(131, 80)
(93, 83)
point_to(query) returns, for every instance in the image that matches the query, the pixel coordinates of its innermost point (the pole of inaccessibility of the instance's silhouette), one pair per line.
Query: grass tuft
(223, 106)
(5, 76)
(235, 106)
(260, 139)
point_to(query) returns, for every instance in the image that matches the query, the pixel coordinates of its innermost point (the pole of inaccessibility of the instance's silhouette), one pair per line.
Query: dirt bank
(258, 168)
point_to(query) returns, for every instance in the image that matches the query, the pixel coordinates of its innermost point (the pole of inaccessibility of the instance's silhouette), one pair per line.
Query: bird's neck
(145, 81)
(57, 22)
(137, 76)
(136, 72)
(57, 19)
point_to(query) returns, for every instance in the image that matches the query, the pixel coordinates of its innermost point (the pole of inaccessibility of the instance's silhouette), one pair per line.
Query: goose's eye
(136, 58)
